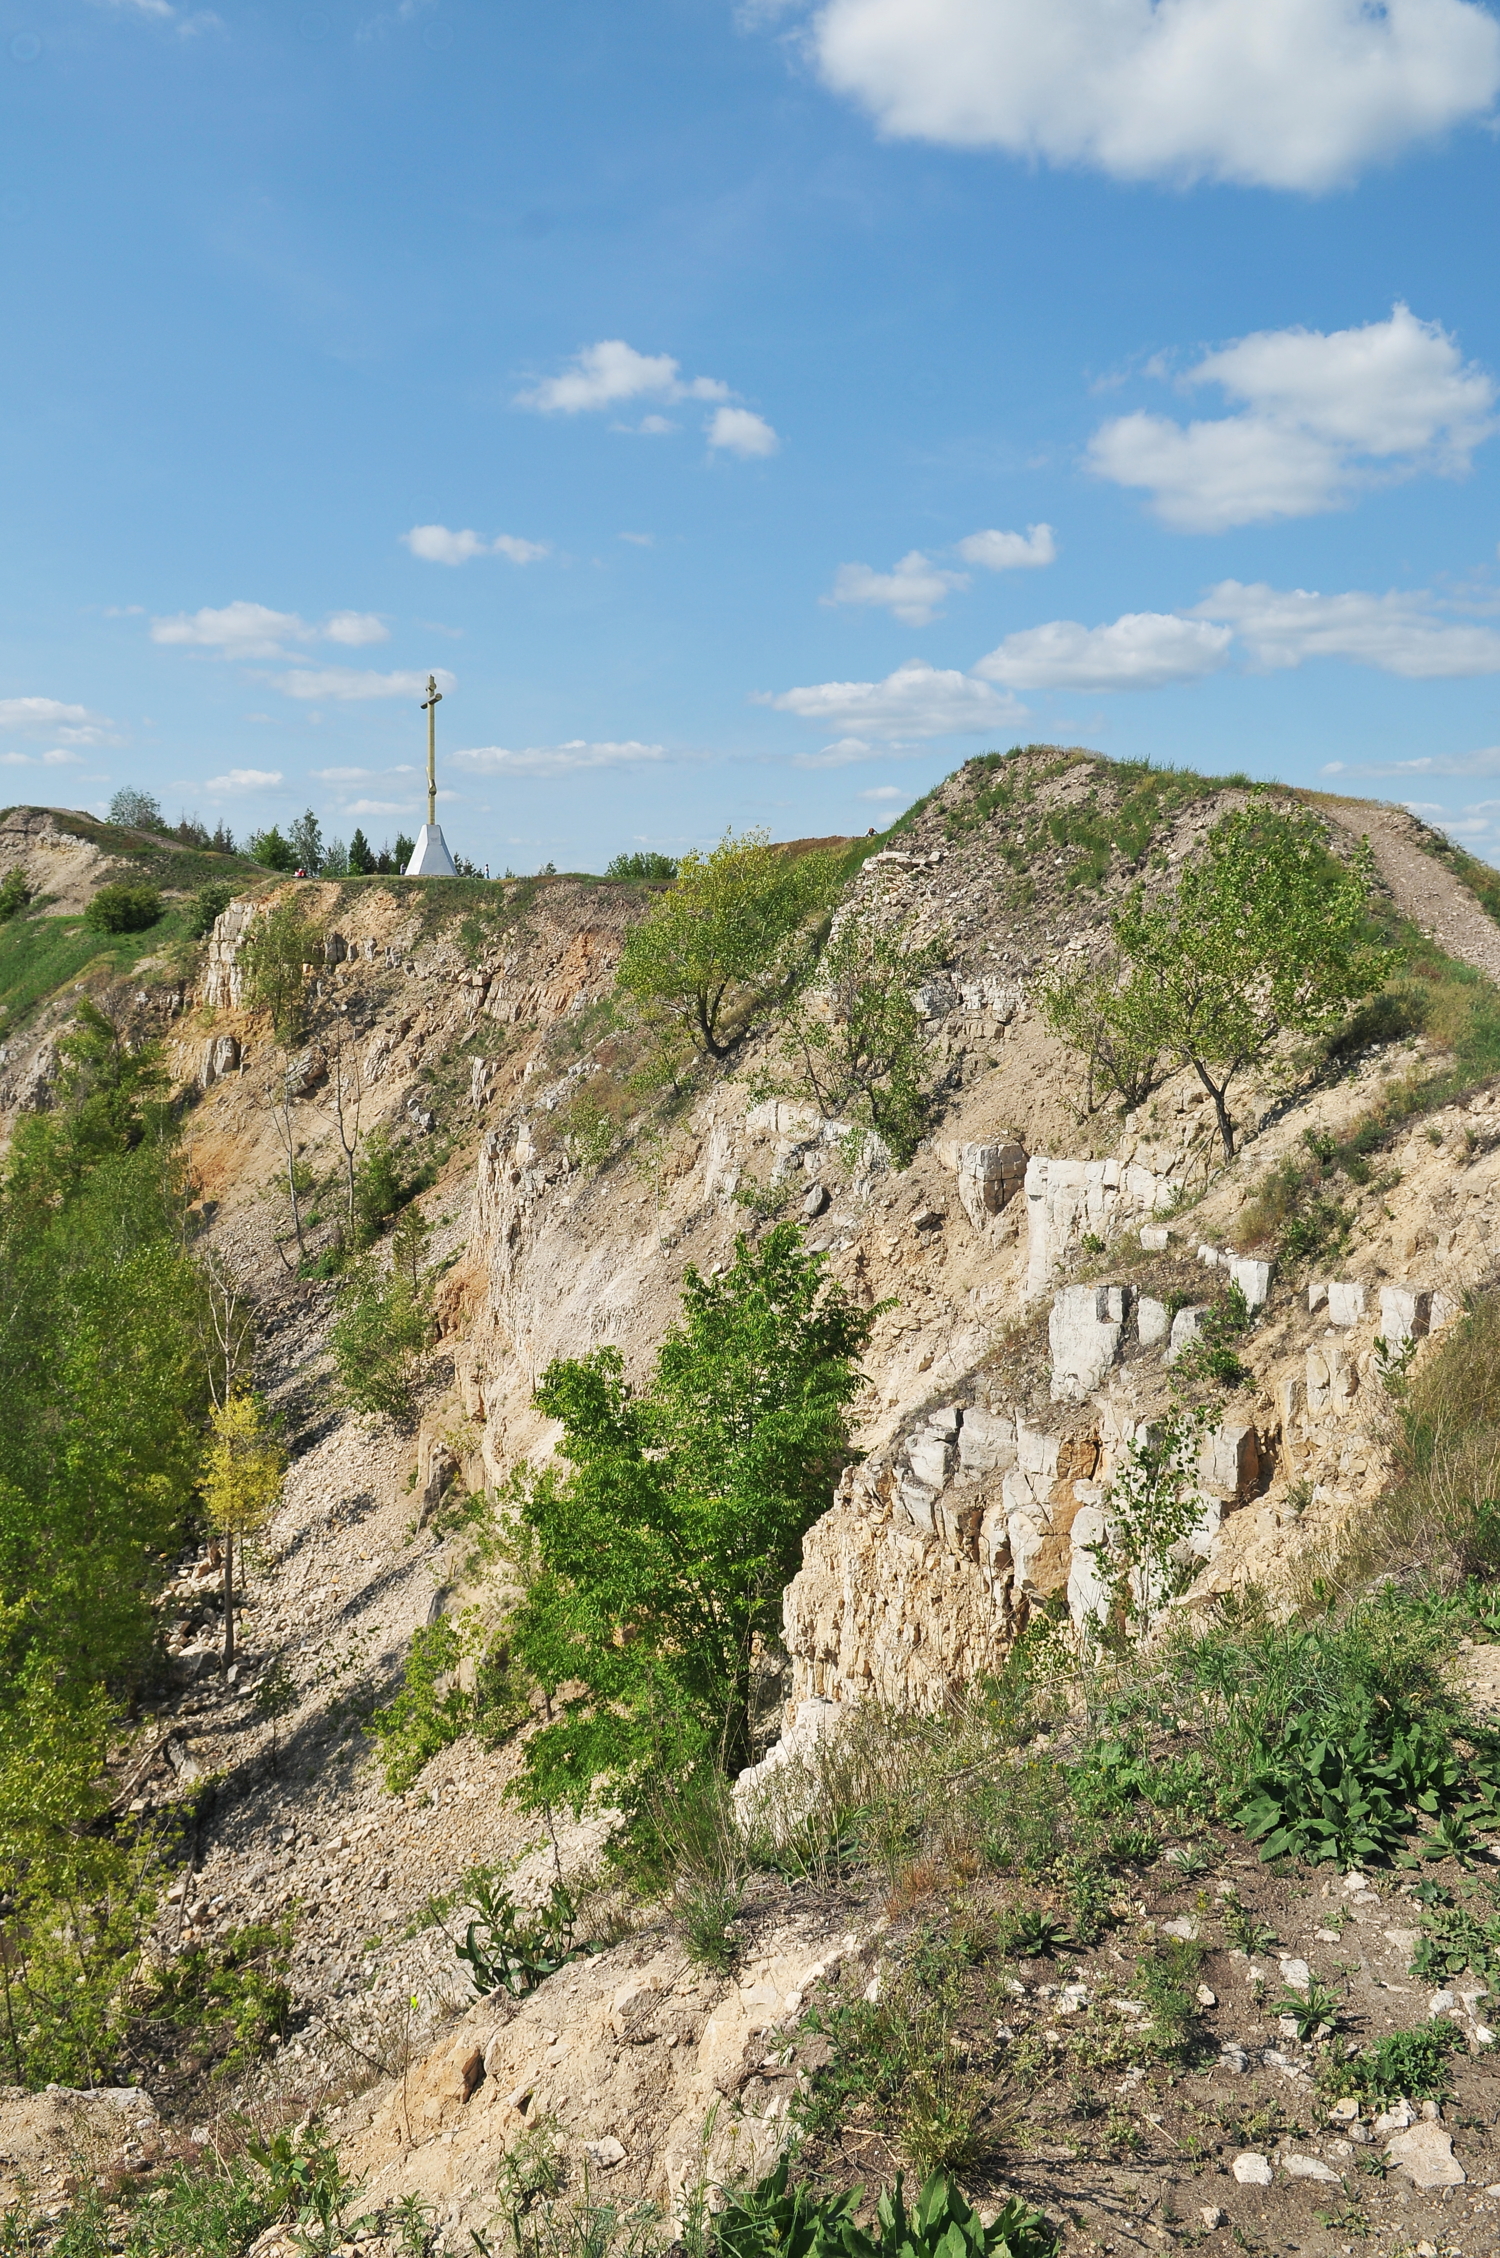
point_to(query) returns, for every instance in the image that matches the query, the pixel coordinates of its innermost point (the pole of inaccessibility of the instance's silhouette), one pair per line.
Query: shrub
(434, 1708)
(14, 895)
(272, 851)
(208, 904)
(1407, 2066)
(123, 909)
(276, 953)
(713, 950)
(775, 2221)
(853, 1034)
(649, 868)
(379, 1339)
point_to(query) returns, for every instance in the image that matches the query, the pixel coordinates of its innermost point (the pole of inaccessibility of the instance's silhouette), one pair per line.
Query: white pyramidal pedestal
(430, 858)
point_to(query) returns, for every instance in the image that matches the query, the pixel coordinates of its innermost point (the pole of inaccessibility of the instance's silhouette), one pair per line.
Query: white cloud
(917, 700)
(354, 628)
(245, 780)
(347, 682)
(1398, 633)
(239, 630)
(1005, 552)
(434, 544)
(1324, 417)
(1484, 762)
(53, 718)
(342, 775)
(1140, 651)
(913, 589)
(742, 432)
(640, 540)
(383, 807)
(888, 792)
(604, 374)
(557, 760)
(1276, 93)
(243, 630)
(654, 427)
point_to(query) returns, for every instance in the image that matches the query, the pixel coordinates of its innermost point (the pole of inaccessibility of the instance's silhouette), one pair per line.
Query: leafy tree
(306, 842)
(113, 1091)
(336, 863)
(1094, 1007)
(403, 851)
(270, 849)
(242, 1477)
(276, 953)
(1266, 933)
(123, 909)
(138, 810)
(379, 1338)
(712, 950)
(361, 859)
(853, 1033)
(14, 895)
(649, 867)
(663, 1554)
(208, 905)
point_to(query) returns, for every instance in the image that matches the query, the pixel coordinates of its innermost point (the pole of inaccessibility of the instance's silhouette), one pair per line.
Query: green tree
(112, 1091)
(1266, 933)
(242, 1476)
(712, 950)
(403, 851)
(276, 953)
(380, 1338)
(270, 849)
(208, 905)
(664, 1552)
(1096, 1008)
(306, 842)
(137, 810)
(361, 856)
(14, 895)
(853, 1033)
(123, 909)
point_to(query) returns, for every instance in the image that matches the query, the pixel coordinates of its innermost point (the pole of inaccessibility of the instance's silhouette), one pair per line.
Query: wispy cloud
(557, 760)
(913, 589)
(347, 683)
(245, 780)
(53, 717)
(612, 374)
(1402, 632)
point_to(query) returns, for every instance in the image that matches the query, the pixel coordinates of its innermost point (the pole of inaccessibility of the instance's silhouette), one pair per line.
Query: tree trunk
(1226, 1126)
(228, 1599)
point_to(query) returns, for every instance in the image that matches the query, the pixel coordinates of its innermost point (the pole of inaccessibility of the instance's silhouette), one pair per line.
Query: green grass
(39, 954)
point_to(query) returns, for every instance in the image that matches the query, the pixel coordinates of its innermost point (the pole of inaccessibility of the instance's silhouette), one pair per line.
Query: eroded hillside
(1043, 1266)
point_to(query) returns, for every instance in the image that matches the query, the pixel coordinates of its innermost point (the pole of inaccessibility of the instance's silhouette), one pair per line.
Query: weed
(505, 1948)
(1316, 2012)
(705, 1910)
(1026, 1934)
(1407, 2066)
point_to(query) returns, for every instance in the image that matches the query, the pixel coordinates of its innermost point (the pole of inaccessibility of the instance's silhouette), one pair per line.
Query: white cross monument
(430, 857)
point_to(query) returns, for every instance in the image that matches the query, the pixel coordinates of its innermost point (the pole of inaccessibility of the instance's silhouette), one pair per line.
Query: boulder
(989, 1177)
(1405, 1314)
(1151, 1321)
(1425, 2155)
(1346, 1301)
(1253, 1279)
(1084, 1335)
(1186, 1327)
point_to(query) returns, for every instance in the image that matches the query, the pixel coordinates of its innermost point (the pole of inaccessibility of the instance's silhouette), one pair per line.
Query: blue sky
(750, 411)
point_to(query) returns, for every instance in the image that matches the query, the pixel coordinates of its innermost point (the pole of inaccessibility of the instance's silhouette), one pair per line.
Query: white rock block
(1405, 1314)
(1346, 1301)
(1084, 1335)
(1089, 1593)
(1310, 2168)
(1151, 1321)
(1252, 2169)
(1253, 1279)
(1209, 1257)
(1186, 1326)
(1426, 2156)
(1317, 1296)
(1229, 1461)
(1155, 1238)
(986, 1443)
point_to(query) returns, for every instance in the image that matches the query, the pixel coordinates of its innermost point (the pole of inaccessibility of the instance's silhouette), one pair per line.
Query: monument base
(430, 857)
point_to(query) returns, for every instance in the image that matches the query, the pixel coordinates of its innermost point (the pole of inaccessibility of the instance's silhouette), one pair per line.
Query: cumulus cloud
(917, 700)
(1400, 633)
(435, 544)
(1324, 416)
(1139, 651)
(612, 374)
(52, 717)
(741, 432)
(557, 760)
(244, 630)
(603, 375)
(347, 682)
(1006, 552)
(245, 780)
(1294, 94)
(913, 589)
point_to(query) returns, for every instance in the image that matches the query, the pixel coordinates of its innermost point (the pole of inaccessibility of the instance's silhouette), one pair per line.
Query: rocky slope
(1039, 1260)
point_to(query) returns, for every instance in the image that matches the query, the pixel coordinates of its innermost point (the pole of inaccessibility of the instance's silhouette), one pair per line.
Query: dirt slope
(1421, 888)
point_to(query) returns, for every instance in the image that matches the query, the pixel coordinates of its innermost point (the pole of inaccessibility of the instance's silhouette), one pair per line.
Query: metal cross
(429, 707)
